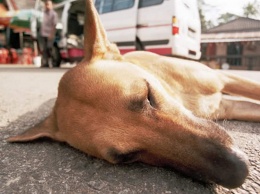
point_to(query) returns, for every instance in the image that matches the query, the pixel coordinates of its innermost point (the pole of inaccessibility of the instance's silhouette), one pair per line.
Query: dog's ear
(96, 44)
(46, 128)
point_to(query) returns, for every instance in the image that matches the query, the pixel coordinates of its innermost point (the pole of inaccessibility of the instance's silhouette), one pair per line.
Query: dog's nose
(235, 171)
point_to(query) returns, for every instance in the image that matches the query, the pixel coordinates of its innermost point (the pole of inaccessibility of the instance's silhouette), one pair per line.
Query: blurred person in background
(47, 32)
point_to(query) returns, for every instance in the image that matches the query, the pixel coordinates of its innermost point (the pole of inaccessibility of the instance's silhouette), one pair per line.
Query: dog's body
(199, 88)
(149, 108)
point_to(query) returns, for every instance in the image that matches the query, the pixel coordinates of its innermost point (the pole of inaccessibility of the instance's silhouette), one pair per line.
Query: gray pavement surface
(27, 96)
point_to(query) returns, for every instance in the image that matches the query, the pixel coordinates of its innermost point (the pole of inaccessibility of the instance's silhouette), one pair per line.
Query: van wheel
(138, 46)
(56, 57)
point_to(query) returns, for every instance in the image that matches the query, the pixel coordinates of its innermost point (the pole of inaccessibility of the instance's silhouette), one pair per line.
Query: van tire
(138, 46)
(56, 57)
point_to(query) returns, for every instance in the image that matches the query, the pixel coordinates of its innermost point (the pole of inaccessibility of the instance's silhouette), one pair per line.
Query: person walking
(47, 32)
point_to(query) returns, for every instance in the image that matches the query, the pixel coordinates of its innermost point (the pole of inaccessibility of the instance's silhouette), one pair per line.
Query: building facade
(233, 45)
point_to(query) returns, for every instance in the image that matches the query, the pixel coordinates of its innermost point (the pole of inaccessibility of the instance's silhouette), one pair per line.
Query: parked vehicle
(72, 20)
(167, 27)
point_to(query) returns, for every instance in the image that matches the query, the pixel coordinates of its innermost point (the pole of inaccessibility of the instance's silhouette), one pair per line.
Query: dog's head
(117, 111)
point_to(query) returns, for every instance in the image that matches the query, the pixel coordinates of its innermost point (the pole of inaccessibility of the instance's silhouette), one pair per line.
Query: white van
(167, 27)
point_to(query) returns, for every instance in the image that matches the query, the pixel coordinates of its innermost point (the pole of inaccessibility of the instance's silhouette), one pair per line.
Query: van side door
(119, 18)
(154, 25)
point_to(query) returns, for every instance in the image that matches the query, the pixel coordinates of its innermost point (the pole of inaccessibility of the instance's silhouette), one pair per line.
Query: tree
(203, 7)
(209, 24)
(202, 20)
(204, 23)
(226, 17)
(251, 9)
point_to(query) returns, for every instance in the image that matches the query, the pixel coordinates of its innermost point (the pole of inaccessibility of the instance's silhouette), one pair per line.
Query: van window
(103, 6)
(106, 6)
(74, 26)
(147, 3)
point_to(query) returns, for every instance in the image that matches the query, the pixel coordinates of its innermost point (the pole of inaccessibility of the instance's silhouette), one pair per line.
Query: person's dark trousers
(46, 52)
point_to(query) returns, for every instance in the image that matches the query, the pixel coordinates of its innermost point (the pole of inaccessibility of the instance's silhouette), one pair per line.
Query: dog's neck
(96, 45)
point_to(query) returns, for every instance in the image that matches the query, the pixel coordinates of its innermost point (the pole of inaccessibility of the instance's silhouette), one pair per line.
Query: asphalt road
(27, 96)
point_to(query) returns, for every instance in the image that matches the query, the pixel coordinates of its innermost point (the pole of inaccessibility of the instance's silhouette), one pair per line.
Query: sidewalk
(63, 65)
(17, 66)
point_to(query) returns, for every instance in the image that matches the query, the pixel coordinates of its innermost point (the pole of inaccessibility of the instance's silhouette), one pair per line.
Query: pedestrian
(47, 32)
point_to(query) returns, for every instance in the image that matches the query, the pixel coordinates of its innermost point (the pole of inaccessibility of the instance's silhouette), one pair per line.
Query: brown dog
(149, 108)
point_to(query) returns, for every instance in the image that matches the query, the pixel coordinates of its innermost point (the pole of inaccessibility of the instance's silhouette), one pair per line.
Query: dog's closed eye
(151, 99)
(138, 104)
